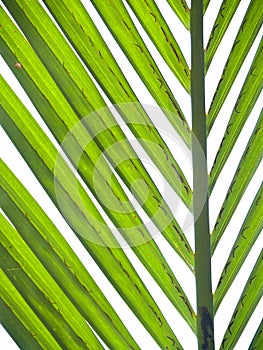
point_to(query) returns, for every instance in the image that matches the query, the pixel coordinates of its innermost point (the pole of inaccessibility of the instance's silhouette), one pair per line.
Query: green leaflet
(16, 329)
(246, 305)
(84, 36)
(154, 24)
(244, 173)
(182, 11)
(224, 17)
(91, 220)
(115, 265)
(246, 100)
(206, 3)
(61, 262)
(161, 271)
(42, 293)
(83, 293)
(249, 28)
(84, 98)
(257, 341)
(19, 320)
(248, 234)
(56, 111)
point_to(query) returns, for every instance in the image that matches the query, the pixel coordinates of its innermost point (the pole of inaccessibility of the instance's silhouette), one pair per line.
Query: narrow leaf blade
(78, 26)
(246, 305)
(182, 11)
(220, 26)
(248, 164)
(248, 31)
(248, 234)
(246, 100)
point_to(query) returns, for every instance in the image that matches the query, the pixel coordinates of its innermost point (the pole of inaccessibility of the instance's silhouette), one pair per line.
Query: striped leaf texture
(161, 202)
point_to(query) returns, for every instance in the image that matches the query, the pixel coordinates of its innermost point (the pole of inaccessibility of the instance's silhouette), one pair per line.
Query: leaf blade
(103, 255)
(220, 26)
(247, 33)
(247, 303)
(246, 100)
(247, 166)
(247, 236)
(97, 52)
(56, 311)
(182, 11)
(154, 24)
(257, 341)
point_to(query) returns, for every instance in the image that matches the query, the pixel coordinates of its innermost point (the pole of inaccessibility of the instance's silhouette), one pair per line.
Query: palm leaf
(122, 274)
(245, 306)
(246, 100)
(64, 63)
(249, 162)
(258, 338)
(248, 234)
(248, 31)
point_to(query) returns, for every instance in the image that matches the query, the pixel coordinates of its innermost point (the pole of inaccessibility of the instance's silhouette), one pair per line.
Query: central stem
(205, 328)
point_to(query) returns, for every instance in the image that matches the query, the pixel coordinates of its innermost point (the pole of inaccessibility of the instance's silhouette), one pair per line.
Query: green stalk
(205, 328)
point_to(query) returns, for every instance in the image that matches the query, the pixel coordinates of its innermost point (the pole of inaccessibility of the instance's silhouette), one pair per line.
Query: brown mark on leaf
(186, 72)
(243, 24)
(235, 44)
(123, 88)
(226, 266)
(184, 5)
(223, 342)
(68, 266)
(171, 277)
(161, 82)
(147, 4)
(172, 340)
(91, 42)
(109, 249)
(228, 127)
(187, 248)
(242, 232)
(152, 68)
(176, 54)
(18, 65)
(234, 249)
(32, 334)
(257, 130)
(230, 325)
(139, 47)
(220, 281)
(152, 14)
(222, 10)
(177, 172)
(156, 315)
(258, 200)
(252, 72)
(111, 70)
(161, 322)
(126, 25)
(138, 289)
(107, 316)
(211, 35)
(165, 35)
(251, 280)
(141, 232)
(242, 300)
(235, 314)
